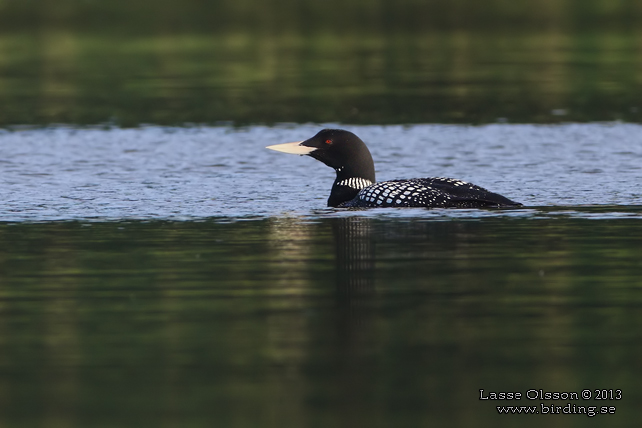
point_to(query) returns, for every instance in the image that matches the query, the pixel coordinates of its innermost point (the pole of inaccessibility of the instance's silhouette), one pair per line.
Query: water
(180, 276)
(365, 62)
(203, 172)
(159, 267)
(338, 321)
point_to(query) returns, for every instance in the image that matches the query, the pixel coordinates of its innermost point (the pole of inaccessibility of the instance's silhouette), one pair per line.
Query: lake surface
(187, 276)
(159, 267)
(333, 321)
(202, 172)
(365, 62)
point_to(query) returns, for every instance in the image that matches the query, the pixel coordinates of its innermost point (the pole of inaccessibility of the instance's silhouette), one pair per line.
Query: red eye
(328, 141)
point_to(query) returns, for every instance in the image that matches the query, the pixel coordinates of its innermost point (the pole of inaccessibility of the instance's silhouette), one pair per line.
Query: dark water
(352, 321)
(369, 62)
(189, 277)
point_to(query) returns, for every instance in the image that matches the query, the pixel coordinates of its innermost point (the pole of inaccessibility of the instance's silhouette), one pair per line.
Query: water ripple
(63, 173)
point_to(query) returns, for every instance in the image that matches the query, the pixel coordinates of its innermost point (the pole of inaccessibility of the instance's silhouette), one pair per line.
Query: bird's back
(428, 192)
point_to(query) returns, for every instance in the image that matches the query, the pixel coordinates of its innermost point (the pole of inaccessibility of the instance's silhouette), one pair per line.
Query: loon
(355, 185)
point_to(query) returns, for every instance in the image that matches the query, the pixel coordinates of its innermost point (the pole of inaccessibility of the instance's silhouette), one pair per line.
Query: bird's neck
(346, 186)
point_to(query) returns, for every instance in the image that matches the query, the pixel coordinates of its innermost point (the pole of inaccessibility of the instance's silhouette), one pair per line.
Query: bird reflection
(355, 269)
(354, 256)
(355, 305)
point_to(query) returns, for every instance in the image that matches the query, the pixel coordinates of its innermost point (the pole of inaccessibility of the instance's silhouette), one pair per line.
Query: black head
(343, 151)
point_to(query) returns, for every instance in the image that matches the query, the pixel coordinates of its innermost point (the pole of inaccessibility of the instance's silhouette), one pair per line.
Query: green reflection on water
(381, 61)
(337, 322)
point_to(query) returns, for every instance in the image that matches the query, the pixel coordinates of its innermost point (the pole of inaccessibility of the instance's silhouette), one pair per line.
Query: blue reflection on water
(63, 173)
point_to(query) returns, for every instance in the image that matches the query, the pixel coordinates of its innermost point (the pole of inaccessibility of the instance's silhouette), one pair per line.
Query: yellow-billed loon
(355, 184)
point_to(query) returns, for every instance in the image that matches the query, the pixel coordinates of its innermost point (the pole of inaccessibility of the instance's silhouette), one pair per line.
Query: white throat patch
(355, 183)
